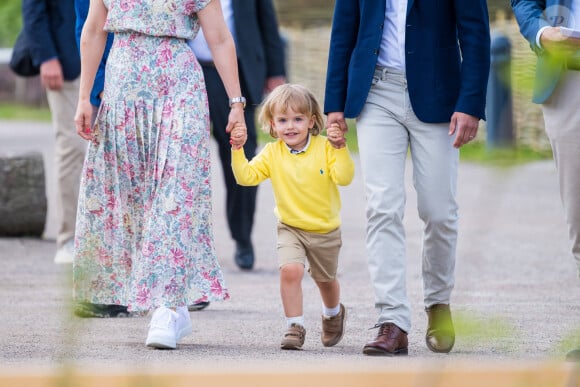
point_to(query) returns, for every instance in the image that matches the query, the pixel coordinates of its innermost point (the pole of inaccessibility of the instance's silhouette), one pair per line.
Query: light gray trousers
(387, 128)
(562, 121)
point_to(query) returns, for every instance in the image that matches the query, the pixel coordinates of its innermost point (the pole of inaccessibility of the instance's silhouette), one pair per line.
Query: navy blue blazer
(447, 54)
(50, 28)
(531, 18)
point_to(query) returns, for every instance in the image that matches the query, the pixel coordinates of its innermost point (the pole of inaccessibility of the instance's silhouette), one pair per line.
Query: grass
(24, 112)
(477, 152)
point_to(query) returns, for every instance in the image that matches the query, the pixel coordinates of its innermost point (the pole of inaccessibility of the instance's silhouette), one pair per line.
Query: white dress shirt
(392, 50)
(199, 45)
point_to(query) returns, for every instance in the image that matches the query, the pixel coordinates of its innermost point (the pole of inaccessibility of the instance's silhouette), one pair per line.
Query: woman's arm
(92, 46)
(223, 51)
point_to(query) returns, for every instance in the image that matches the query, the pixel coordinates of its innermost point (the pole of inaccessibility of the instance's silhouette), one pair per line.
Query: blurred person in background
(50, 28)
(557, 84)
(261, 61)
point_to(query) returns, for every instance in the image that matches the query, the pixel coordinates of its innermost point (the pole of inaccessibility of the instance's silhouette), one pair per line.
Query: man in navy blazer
(50, 27)
(414, 75)
(556, 88)
(261, 62)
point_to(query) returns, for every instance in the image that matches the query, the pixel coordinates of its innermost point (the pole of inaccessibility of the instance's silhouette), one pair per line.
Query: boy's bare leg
(329, 292)
(291, 288)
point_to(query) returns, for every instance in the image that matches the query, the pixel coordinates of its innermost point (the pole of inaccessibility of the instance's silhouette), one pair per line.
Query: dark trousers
(240, 201)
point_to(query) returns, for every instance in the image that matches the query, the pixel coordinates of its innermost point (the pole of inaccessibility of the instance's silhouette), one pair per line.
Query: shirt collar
(297, 152)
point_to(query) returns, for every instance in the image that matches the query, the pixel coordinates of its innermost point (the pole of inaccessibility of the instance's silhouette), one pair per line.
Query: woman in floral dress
(144, 234)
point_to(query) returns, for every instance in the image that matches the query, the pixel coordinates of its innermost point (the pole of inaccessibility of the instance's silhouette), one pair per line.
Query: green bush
(10, 21)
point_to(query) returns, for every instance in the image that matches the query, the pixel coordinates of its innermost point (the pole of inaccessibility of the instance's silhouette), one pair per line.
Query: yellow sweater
(304, 184)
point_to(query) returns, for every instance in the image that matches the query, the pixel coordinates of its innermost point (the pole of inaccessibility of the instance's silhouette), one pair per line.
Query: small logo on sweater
(321, 171)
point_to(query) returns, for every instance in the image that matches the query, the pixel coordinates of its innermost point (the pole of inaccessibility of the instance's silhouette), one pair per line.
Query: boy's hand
(238, 136)
(335, 136)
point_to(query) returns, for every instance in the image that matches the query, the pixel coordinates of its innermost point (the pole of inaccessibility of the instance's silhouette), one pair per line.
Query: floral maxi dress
(144, 235)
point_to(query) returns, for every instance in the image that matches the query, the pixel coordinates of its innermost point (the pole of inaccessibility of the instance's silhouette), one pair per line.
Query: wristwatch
(241, 100)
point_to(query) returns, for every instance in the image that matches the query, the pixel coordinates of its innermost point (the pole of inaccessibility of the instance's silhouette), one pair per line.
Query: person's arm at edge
(530, 18)
(343, 39)
(474, 40)
(36, 26)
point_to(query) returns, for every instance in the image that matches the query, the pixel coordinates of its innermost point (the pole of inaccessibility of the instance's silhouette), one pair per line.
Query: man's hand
(465, 128)
(337, 118)
(335, 136)
(51, 74)
(557, 44)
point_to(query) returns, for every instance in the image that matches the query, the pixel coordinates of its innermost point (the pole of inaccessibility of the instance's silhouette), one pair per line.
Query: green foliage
(10, 21)
(24, 112)
(479, 332)
(501, 157)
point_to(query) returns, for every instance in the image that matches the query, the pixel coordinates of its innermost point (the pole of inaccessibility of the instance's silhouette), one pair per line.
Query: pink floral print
(144, 235)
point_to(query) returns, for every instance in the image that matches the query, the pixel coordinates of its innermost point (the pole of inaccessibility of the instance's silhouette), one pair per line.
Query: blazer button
(376, 52)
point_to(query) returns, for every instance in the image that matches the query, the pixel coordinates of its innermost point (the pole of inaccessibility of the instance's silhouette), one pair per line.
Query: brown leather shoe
(440, 335)
(390, 341)
(333, 328)
(294, 337)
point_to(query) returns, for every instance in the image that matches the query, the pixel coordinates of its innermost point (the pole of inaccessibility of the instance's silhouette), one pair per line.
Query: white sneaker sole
(63, 257)
(160, 341)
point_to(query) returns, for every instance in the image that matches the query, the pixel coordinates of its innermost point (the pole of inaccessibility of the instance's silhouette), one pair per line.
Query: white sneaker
(183, 323)
(162, 329)
(66, 253)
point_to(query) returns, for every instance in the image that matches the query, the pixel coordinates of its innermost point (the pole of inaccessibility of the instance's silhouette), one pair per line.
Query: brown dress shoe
(440, 335)
(390, 341)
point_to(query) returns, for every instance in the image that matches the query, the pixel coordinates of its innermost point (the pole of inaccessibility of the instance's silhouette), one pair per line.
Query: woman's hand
(236, 116)
(83, 118)
(238, 136)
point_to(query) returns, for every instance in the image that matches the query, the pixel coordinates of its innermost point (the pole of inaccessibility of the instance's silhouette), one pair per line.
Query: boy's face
(292, 127)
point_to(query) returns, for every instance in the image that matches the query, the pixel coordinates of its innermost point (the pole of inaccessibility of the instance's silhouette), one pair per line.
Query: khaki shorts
(321, 250)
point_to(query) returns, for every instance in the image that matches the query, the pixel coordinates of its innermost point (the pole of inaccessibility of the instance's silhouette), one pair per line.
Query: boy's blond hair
(296, 97)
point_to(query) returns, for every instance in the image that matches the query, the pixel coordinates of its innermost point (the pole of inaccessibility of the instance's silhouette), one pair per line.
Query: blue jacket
(447, 54)
(530, 16)
(50, 26)
(82, 10)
